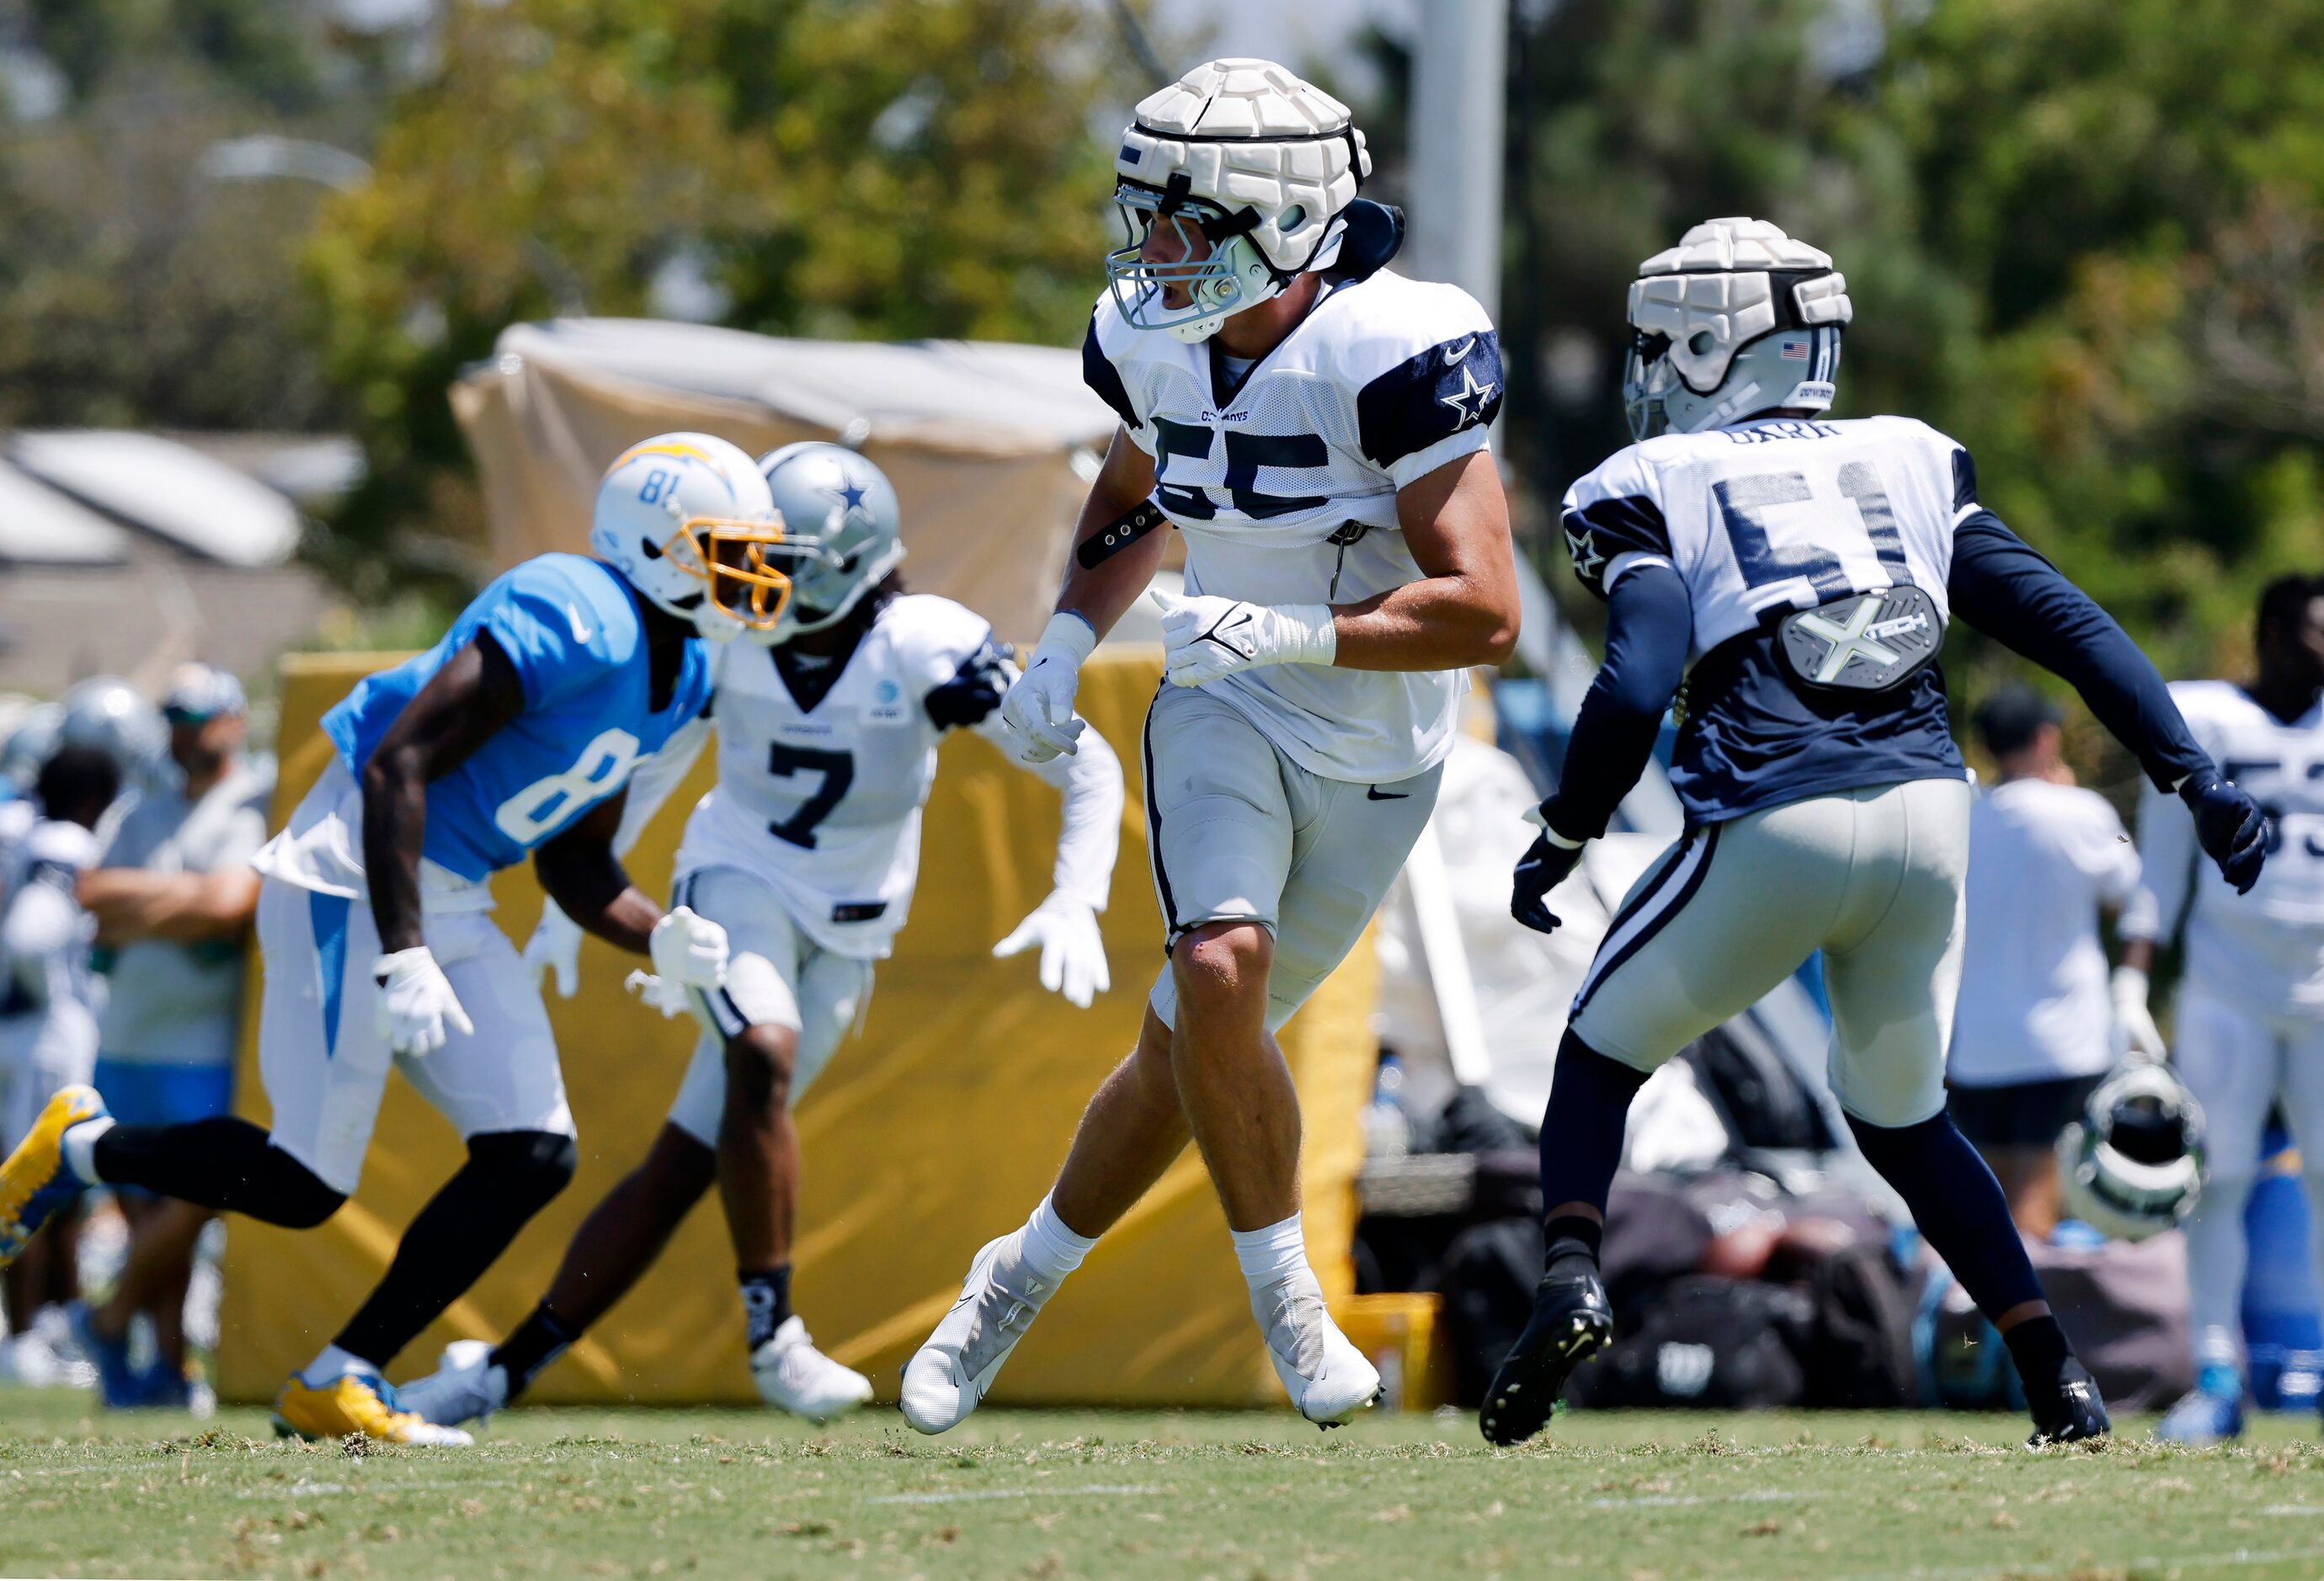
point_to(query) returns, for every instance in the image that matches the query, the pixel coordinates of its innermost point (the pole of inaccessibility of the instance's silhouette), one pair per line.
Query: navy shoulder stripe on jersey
(1433, 395)
(972, 693)
(1597, 532)
(1104, 379)
(1964, 481)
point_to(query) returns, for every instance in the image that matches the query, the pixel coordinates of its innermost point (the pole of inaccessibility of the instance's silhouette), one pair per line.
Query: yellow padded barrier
(937, 1129)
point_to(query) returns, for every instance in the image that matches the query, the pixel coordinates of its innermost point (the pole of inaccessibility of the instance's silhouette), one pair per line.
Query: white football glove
(1204, 637)
(416, 1002)
(688, 951)
(1073, 952)
(555, 948)
(2136, 1038)
(1040, 707)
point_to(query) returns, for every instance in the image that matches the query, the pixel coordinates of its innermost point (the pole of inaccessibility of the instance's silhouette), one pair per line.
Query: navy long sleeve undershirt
(2005, 589)
(1649, 622)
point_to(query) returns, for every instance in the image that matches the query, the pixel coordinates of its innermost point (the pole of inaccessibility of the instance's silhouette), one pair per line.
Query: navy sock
(766, 1302)
(1581, 1140)
(1961, 1212)
(538, 1341)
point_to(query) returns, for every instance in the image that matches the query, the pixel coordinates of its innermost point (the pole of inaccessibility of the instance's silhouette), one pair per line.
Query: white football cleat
(947, 1376)
(1327, 1378)
(793, 1375)
(465, 1387)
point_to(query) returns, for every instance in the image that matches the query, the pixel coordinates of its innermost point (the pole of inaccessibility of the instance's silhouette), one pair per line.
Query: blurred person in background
(2030, 1039)
(2250, 1033)
(173, 903)
(49, 1006)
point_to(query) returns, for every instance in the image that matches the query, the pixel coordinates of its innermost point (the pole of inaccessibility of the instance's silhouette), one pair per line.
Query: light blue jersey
(571, 627)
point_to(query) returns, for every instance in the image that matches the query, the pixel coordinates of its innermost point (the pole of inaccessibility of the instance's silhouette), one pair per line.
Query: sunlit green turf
(1160, 1494)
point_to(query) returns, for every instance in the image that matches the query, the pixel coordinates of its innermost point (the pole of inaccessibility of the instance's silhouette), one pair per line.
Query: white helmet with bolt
(839, 516)
(685, 518)
(1739, 318)
(1253, 168)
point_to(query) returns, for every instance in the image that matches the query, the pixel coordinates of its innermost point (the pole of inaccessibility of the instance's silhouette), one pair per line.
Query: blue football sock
(1582, 1142)
(1960, 1210)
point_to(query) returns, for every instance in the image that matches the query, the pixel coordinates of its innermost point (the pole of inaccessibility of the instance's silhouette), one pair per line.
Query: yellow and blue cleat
(354, 1403)
(34, 1183)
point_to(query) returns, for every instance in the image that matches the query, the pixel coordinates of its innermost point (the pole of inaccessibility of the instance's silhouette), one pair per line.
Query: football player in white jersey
(1800, 572)
(2250, 1033)
(1315, 425)
(49, 1001)
(828, 714)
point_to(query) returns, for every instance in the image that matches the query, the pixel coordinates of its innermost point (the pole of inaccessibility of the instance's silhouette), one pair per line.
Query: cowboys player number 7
(1315, 424)
(1800, 572)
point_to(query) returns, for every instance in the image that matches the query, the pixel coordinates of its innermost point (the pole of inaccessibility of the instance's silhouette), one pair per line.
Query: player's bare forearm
(186, 908)
(581, 873)
(2139, 953)
(1464, 610)
(475, 694)
(1100, 594)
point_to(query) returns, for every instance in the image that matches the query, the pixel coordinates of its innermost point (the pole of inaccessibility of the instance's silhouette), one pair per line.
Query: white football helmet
(839, 516)
(1251, 169)
(2133, 1165)
(1736, 319)
(107, 713)
(685, 518)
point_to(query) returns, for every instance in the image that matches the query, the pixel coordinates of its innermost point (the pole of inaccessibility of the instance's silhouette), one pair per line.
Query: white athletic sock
(1051, 1250)
(1271, 1254)
(332, 1365)
(79, 1145)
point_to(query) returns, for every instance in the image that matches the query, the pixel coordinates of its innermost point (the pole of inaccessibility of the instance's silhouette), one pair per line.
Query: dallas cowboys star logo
(850, 495)
(1469, 400)
(1587, 561)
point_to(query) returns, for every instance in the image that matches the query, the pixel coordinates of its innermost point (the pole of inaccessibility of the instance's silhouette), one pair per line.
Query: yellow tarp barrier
(935, 1130)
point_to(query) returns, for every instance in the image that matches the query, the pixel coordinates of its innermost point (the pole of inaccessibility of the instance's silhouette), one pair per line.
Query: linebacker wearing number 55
(513, 736)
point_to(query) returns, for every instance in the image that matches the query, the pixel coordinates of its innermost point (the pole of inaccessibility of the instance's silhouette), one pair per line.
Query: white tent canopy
(40, 526)
(989, 445)
(202, 505)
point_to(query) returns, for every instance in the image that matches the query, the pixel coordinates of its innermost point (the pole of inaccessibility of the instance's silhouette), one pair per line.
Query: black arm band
(1119, 534)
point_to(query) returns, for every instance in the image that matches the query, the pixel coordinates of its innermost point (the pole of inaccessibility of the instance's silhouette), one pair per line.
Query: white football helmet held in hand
(687, 521)
(1247, 171)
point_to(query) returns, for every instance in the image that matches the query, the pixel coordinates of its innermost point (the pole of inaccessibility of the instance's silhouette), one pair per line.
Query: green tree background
(2082, 235)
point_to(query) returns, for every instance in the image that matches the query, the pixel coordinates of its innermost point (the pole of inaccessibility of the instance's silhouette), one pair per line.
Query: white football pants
(2239, 1064)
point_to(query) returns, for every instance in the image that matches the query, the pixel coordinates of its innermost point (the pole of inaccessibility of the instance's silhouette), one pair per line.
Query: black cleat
(1571, 1321)
(2071, 1412)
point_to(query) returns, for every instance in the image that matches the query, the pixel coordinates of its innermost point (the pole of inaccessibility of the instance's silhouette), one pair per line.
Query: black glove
(1541, 868)
(2231, 827)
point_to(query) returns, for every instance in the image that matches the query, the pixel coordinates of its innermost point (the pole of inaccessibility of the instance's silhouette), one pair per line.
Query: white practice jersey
(821, 777)
(2265, 950)
(1284, 485)
(44, 934)
(1761, 519)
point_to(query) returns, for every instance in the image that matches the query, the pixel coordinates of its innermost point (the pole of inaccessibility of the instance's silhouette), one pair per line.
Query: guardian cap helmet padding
(2133, 1165)
(1247, 159)
(839, 515)
(1739, 318)
(687, 518)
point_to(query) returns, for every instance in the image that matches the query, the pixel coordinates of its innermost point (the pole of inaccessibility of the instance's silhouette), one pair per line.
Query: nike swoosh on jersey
(1374, 794)
(1453, 357)
(580, 628)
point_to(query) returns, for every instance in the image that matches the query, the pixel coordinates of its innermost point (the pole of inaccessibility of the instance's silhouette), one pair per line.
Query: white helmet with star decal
(1249, 171)
(1738, 319)
(839, 541)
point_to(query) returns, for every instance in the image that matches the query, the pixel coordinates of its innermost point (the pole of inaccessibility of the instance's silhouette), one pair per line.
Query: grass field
(1147, 1493)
